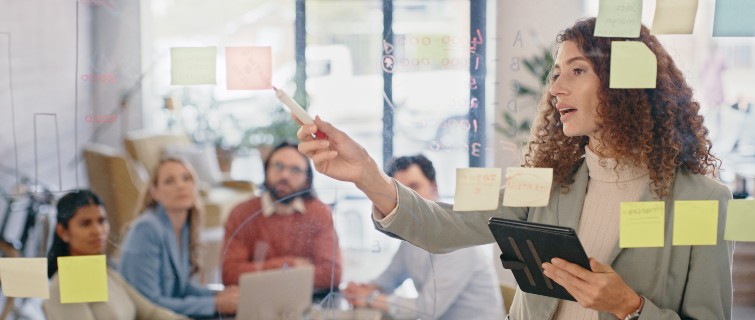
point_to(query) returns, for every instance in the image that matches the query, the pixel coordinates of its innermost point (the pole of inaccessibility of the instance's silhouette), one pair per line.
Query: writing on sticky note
(641, 224)
(633, 66)
(619, 18)
(527, 187)
(674, 17)
(82, 279)
(24, 277)
(477, 189)
(193, 66)
(249, 68)
(695, 222)
(740, 221)
(733, 18)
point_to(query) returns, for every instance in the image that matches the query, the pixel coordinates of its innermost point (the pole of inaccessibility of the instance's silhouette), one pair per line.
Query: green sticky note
(82, 279)
(734, 18)
(619, 18)
(633, 66)
(674, 17)
(695, 222)
(740, 221)
(641, 224)
(192, 66)
(24, 277)
(477, 189)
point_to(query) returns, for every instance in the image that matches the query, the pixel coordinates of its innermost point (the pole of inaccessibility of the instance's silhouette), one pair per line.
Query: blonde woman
(160, 252)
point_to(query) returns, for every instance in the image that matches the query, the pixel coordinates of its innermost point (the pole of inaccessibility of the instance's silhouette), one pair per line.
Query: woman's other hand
(601, 289)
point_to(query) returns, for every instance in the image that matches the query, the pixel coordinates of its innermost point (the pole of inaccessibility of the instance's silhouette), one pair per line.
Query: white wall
(41, 59)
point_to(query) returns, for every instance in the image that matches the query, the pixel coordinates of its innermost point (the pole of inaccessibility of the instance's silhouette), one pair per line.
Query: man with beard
(287, 226)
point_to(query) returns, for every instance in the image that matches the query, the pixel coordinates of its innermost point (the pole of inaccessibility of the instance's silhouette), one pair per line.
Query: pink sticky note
(249, 68)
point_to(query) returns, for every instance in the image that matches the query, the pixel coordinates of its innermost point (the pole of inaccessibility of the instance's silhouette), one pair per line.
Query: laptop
(280, 294)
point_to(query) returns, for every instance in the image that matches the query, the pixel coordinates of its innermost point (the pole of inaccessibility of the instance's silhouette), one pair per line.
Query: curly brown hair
(658, 129)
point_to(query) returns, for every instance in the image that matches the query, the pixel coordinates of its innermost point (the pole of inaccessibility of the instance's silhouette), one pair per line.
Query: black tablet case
(526, 245)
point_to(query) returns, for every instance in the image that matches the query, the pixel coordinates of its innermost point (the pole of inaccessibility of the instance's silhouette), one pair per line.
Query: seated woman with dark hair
(82, 229)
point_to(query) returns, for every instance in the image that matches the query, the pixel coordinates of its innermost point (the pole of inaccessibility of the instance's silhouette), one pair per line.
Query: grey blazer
(678, 282)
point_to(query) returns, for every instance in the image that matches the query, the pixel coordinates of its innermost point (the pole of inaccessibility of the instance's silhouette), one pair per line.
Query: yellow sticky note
(619, 18)
(695, 222)
(674, 17)
(477, 189)
(83, 279)
(192, 66)
(641, 224)
(249, 68)
(527, 187)
(740, 221)
(24, 277)
(633, 66)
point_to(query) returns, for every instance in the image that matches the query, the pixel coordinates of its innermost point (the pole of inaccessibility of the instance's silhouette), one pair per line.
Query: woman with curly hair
(606, 146)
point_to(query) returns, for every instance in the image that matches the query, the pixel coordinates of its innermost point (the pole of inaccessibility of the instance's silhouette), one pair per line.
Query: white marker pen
(297, 110)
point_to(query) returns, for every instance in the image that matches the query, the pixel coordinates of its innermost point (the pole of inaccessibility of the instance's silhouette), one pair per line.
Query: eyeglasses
(294, 170)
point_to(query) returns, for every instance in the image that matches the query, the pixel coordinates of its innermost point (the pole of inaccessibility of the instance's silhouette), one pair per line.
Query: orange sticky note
(695, 222)
(674, 17)
(24, 277)
(83, 279)
(477, 189)
(527, 187)
(249, 68)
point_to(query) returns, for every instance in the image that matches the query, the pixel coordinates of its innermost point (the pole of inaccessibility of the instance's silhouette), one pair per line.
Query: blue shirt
(153, 262)
(457, 285)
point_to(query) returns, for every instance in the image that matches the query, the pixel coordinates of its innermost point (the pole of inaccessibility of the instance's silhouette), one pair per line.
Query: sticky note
(527, 187)
(641, 224)
(734, 18)
(82, 279)
(619, 18)
(740, 221)
(249, 68)
(24, 277)
(192, 66)
(633, 66)
(674, 17)
(695, 222)
(477, 189)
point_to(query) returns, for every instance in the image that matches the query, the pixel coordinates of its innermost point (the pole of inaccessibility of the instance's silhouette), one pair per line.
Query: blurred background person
(161, 249)
(82, 229)
(457, 285)
(286, 226)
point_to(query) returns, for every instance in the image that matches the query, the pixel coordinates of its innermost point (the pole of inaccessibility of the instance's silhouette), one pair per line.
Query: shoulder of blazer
(148, 221)
(696, 186)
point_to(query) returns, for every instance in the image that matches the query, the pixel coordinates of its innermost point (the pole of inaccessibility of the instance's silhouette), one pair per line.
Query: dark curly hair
(658, 129)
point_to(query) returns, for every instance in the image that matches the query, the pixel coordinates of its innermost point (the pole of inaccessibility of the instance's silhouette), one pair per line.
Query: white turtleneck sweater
(599, 223)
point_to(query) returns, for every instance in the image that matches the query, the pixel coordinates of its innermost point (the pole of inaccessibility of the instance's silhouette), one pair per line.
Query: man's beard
(283, 198)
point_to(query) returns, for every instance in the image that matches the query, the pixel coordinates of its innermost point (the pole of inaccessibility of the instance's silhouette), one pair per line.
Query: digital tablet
(526, 245)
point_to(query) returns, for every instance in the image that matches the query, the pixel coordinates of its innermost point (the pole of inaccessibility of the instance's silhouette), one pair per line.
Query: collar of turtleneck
(605, 169)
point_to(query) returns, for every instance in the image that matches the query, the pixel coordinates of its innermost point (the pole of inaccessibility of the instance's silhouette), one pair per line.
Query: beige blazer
(678, 282)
